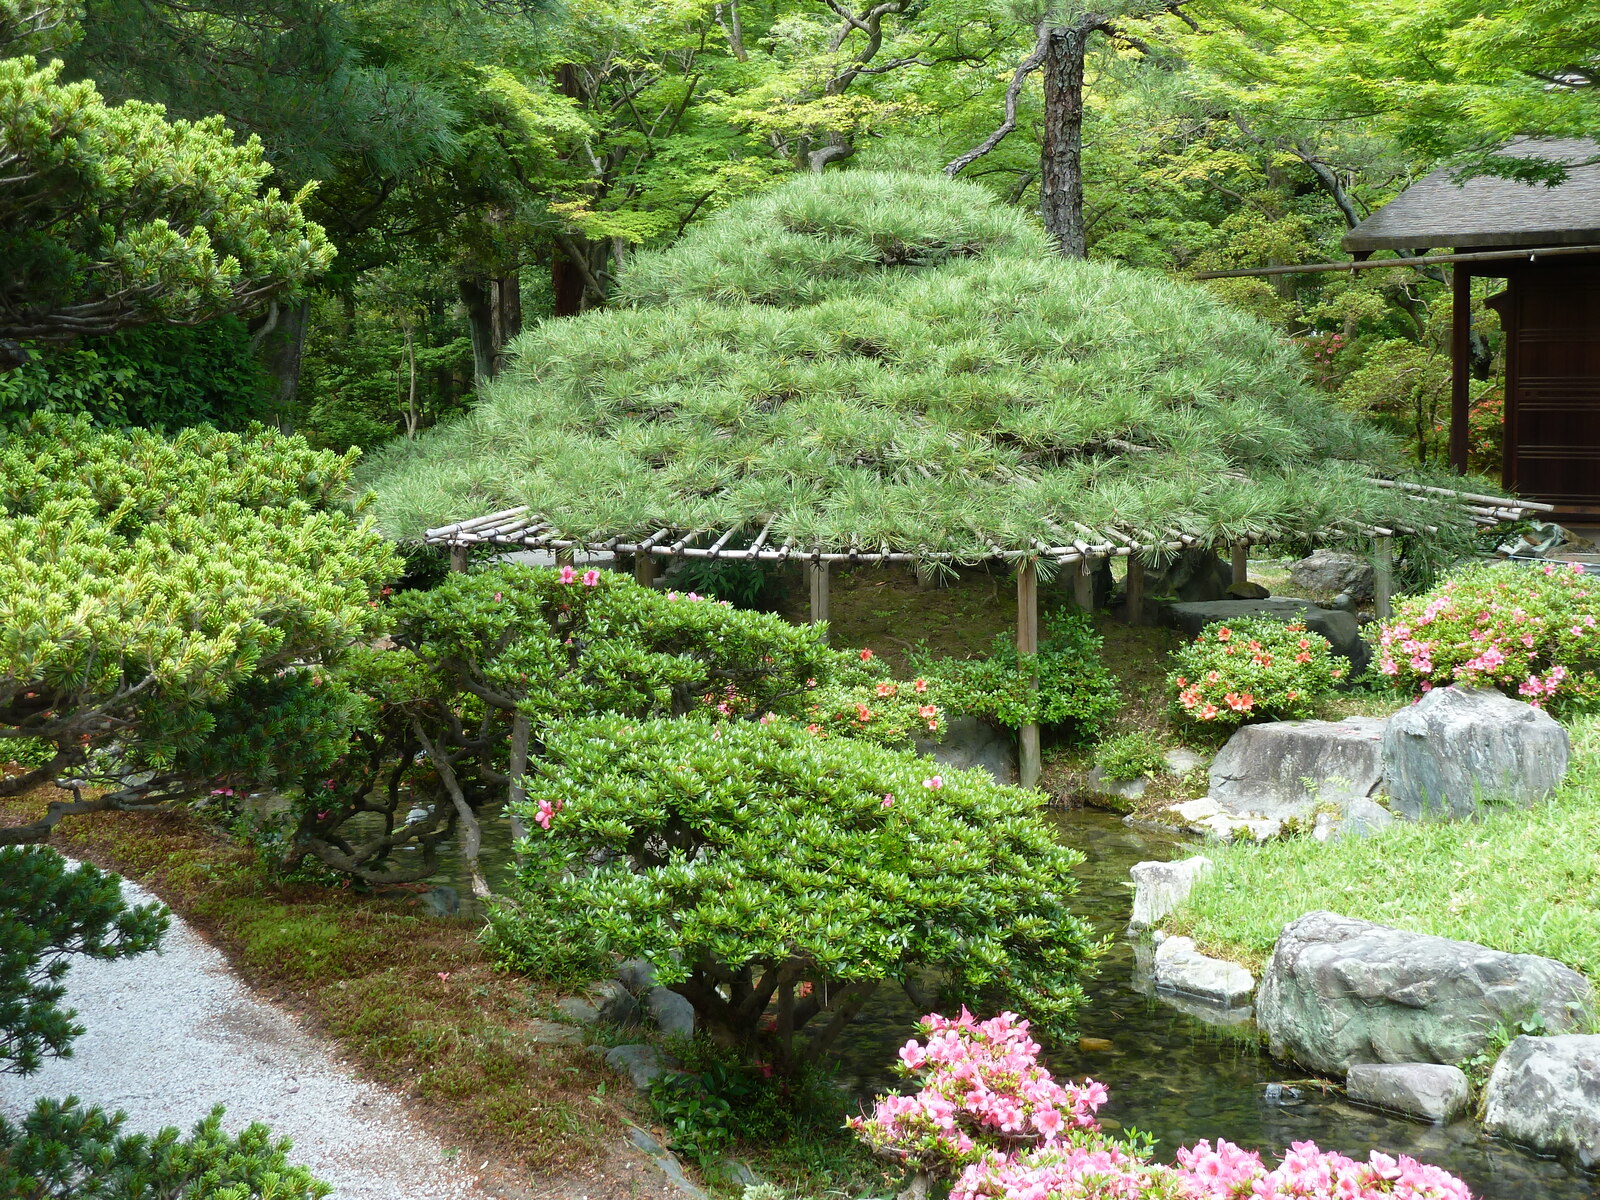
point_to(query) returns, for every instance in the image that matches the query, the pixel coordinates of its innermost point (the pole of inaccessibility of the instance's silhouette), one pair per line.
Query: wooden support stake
(1460, 362)
(817, 572)
(1135, 590)
(1383, 576)
(644, 569)
(1241, 563)
(458, 559)
(1083, 585)
(1028, 643)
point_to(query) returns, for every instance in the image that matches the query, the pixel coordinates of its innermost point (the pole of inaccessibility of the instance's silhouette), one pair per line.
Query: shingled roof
(1435, 212)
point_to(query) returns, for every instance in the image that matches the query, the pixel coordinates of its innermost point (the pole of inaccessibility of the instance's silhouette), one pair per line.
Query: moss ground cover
(1524, 881)
(411, 999)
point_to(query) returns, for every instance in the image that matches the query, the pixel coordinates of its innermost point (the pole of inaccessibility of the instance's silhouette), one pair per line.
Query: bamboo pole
(644, 569)
(817, 573)
(1028, 643)
(1241, 562)
(458, 559)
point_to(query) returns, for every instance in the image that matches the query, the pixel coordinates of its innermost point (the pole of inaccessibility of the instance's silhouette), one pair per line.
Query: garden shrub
(1252, 669)
(1075, 689)
(1134, 755)
(990, 1121)
(775, 879)
(483, 651)
(175, 608)
(1531, 632)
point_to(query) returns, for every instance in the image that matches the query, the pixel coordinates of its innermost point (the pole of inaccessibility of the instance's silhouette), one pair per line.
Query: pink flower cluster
(1531, 632)
(981, 1080)
(991, 1119)
(591, 578)
(1228, 1173)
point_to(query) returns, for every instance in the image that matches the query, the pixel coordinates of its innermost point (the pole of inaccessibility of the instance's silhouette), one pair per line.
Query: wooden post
(1083, 585)
(1028, 643)
(1383, 576)
(1460, 362)
(817, 573)
(458, 559)
(1241, 562)
(1135, 590)
(644, 569)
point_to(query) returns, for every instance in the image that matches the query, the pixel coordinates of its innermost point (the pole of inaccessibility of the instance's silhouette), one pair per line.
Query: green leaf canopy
(876, 359)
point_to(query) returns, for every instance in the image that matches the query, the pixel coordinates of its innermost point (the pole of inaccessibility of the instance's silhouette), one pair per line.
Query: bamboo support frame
(1383, 577)
(817, 575)
(1028, 754)
(1241, 563)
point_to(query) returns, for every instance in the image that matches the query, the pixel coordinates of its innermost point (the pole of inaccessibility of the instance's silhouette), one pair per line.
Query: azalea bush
(1252, 669)
(1530, 632)
(990, 1121)
(485, 662)
(776, 878)
(1065, 684)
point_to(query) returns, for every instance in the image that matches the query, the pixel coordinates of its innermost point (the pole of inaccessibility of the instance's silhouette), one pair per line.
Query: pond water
(1171, 1074)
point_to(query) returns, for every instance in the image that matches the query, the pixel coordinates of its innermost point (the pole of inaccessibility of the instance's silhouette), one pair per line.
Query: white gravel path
(173, 1033)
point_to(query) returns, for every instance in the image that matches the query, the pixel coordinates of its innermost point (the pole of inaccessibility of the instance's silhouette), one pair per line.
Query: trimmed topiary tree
(871, 359)
(776, 879)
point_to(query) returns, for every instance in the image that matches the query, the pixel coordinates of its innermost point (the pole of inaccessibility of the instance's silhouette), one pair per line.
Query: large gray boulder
(1286, 770)
(1459, 747)
(1545, 1093)
(1332, 572)
(1340, 628)
(1429, 1091)
(1339, 991)
(973, 742)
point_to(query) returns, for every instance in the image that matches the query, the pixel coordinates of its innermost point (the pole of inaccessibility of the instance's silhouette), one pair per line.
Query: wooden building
(1545, 243)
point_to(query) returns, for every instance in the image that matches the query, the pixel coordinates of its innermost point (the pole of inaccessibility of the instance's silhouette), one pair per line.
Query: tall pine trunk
(1061, 153)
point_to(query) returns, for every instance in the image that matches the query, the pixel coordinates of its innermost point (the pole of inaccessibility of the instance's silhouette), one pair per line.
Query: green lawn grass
(1524, 881)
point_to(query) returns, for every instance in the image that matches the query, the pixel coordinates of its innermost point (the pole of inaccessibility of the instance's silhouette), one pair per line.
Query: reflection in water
(1170, 1074)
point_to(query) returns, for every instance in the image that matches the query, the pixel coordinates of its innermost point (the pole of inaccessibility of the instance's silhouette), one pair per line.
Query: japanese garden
(798, 599)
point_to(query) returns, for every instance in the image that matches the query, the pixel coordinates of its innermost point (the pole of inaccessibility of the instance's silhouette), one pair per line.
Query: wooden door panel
(1553, 383)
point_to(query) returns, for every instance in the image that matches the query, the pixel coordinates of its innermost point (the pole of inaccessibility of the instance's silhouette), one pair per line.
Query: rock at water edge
(1285, 770)
(1430, 1091)
(1160, 887)
(1545, 1093)
(1180, 968)
(1457, 748)
(1340, 991)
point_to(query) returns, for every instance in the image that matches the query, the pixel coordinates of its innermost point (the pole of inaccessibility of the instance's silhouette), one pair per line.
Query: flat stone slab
(1459, 748)
(1180, 968)
(1285, 770)
(1209, 819)
(1160, 887)
(1429, 1091)
(1545, 1093)
(1341, 991)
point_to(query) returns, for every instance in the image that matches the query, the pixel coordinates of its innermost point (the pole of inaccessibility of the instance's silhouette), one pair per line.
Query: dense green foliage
(657, 842)
(488, 663)
(173, 606)
(49, 912)
(1065, 684)
(112, 215)
(155, 377)
(949, 407)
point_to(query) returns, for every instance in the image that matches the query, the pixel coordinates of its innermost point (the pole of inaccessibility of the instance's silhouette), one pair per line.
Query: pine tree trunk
(1061, 154)
(475, 298)
(507, 297)
(282, 351)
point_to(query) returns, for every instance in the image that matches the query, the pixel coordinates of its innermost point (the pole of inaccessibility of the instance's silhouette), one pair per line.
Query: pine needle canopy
(868, 360)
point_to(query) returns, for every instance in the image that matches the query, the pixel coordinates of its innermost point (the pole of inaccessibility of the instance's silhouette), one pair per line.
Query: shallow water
(1170, 1074)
